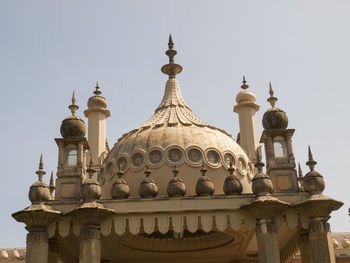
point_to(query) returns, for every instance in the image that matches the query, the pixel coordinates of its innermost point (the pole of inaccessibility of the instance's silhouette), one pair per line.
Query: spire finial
(259, 164)
(52, 184)
(203, 170)
(171, 69)
(175, 170)
(272, 99)
(73, 107)
(300, 172)
(147, 171)
(120, 172)
(300, 178)
(311, 162)
(97, 92)
(231, 170)
(41, 171)
(245, 85)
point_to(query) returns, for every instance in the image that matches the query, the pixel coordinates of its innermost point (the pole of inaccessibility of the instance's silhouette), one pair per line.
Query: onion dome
(39, 191)
(91, 189)
(174, 135)
(120, 188)
(345, 243)
(300, 178)
(261, 182)
(274, 118)
(148, 187)
(232, 185)
(4, 255)
(16, 254)
(204, 185)
(335, 243)
(176, 186)
(97, 99)
(313, 181)
(73, 126)
(245, 95)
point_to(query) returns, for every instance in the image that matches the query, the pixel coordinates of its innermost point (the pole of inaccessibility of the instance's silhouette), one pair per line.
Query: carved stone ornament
(123, 163)
(195, 156)
(213, 158)
(37, 234)
(242, 167)
(137, 160)
(90, 232)
(228, 158)
(155, 157)
(175, 155)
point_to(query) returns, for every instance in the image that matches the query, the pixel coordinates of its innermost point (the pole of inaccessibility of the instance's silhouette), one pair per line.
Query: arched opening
(72, 158)
(279, 147)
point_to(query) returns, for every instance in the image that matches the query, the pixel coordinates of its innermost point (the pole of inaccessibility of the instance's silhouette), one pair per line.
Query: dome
(73, 126)
(245, 95)
(275, 118)
(97, 100)
(174, 136)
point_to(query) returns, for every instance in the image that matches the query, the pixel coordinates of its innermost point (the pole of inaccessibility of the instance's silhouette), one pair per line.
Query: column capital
(90, 213)
(36, 216)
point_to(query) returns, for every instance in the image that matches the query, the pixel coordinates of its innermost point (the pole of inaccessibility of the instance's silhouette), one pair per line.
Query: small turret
(148, 187)
(313, 181)
(176, 186)
(204, 186)
(120, 188)
(232, 185)
(261, 182)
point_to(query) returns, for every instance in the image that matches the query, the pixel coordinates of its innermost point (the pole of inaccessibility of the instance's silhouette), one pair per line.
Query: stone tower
(279, 154)
(71, 156)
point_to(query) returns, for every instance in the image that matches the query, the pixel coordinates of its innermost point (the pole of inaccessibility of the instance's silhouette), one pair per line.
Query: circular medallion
(137, 160)
(213, 158)
(229, 158)
(122, 163)
(174, 155)
(155, 156)
(242, 166)
(194, 156)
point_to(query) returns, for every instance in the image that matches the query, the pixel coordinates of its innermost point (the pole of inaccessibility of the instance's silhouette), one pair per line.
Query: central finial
(171, 69)
(311, 162)
(41, 171)
(73, 107)
(97, 92)
(245, 85)
(272, 99)
(259, 164)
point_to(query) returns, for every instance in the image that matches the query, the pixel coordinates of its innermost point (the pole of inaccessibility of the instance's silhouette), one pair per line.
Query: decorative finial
(148, 187)
(73, 107)
(147, 171)
(203, 170)
(41, 171)
(97, 92)
(230, 169)
(245, 85)
(175, 170)
(272, 99)
(90, 170)
(300, 178)
(120, 172)
(311, 163)
(259, 164)
(171, 69)
(52, 184)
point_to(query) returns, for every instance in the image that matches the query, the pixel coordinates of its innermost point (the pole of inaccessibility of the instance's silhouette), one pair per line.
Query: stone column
(37, 245)
(304, 246)
(320, 241)
(266, 235)
(54, 255)
(90, 244)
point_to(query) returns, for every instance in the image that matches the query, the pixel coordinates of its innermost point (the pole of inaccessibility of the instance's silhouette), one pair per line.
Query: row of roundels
(175, 155)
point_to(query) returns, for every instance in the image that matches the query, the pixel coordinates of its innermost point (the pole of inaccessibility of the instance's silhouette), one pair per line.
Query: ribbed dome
(174, 136)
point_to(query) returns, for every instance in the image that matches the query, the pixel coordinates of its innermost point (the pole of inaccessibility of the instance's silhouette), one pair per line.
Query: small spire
(272, 99)
(175, 171)
(97, 92)
(41, 171)
(90, 170)
(203, 170)
(73, 107)
(147, 171)
(311, 163)
(259, 164)
(52, 184)
(171, 69)
(300, 178)
(231, 170)
(245, 85)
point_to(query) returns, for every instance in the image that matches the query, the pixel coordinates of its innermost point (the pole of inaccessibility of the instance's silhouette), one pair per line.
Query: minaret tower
(97, 115)
(71, 156)
(246, 109)
(277, 140)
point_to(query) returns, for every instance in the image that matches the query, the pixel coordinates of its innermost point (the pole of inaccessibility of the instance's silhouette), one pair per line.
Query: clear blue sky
(49, 48)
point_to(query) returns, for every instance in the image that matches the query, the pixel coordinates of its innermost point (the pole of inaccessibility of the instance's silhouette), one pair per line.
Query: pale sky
(50, 48)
